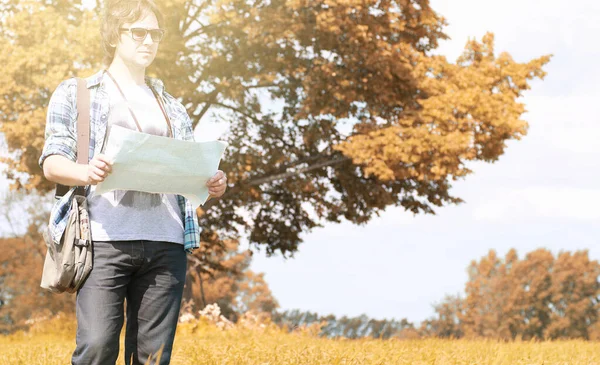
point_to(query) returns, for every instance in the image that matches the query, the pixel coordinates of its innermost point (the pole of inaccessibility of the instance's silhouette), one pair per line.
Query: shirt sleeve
(60, 133)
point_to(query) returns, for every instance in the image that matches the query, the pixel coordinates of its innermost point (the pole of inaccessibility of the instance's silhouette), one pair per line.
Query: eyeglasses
(139, 34)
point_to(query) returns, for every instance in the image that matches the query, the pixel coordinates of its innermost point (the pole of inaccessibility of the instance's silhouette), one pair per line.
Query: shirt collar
(96, 79)
(156, 84)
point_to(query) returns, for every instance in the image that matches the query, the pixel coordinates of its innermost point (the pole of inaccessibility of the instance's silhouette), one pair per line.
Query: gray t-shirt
(124, 215)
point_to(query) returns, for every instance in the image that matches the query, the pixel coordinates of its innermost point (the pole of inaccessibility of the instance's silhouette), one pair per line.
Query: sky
(542, 193)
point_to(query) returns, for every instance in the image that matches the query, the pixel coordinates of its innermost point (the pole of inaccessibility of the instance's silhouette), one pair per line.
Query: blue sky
(543, 192)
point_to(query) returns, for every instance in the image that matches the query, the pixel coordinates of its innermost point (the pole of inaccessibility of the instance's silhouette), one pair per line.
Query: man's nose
(148, 39)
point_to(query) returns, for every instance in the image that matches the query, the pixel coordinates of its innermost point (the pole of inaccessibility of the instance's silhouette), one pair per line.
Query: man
(140, 239)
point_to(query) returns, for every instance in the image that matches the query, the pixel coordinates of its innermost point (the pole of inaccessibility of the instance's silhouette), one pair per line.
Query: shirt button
(103, 116)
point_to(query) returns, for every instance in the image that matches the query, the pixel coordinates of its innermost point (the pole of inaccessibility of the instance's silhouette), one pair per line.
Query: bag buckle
(82, 243)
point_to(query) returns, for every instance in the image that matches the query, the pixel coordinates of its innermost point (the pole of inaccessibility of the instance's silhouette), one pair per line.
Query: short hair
(119, 12)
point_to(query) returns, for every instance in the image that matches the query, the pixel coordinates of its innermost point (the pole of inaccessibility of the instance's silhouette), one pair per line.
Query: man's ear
(113, 42)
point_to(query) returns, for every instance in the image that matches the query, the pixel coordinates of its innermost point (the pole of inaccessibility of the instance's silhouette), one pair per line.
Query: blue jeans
(151, 275)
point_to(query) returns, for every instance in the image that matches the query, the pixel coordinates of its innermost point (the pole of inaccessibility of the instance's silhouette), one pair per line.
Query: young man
(140, 239)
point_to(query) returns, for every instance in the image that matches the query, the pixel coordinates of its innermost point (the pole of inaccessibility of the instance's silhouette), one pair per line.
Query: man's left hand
(217, 184)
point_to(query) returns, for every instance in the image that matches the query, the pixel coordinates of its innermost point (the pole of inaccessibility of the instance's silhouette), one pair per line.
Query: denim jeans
(151, 276)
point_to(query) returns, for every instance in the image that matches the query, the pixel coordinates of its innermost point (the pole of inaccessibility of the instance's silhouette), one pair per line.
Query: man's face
(138, 52)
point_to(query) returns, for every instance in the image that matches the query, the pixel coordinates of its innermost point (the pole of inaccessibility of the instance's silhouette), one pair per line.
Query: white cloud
(539, 203)
(524, 26)
(570, 123)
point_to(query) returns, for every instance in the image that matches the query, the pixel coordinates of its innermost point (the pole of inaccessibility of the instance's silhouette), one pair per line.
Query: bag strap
(83, 134)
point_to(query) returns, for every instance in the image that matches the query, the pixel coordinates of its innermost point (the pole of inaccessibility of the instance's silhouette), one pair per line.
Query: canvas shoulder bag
(68, 263)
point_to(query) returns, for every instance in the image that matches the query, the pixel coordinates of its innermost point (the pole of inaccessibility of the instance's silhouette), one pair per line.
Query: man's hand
(98, 169)
(217, 184)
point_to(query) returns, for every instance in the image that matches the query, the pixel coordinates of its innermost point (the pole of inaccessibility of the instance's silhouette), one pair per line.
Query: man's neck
(127, 75)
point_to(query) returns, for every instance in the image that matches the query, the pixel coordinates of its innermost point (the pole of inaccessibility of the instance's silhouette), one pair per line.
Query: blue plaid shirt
(61, 132)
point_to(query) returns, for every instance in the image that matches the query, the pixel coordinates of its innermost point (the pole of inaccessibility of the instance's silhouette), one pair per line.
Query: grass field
(202, 343)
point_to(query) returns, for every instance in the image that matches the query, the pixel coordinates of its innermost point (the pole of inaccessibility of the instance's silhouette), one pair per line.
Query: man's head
(130, 30)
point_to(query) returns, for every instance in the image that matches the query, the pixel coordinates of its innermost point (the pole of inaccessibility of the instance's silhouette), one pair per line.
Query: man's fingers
(217, 182)
(104, 158)
(103, 166)
(219, 175)
(99, 168)
(107, 167)
(99, 172)
(99, 164)
(217, 190)
(96, 178)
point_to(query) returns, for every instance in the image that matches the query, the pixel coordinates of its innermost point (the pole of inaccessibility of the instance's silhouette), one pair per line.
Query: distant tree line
(541, 296)
(348, 327)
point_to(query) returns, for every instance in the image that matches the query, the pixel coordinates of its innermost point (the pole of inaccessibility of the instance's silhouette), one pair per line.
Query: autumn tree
(21, 262)
(254, 295)
(530, 303)
(221, 274)
(447, 322)
(575, 297)
(540, 296)
(41, 45)
(487, 294)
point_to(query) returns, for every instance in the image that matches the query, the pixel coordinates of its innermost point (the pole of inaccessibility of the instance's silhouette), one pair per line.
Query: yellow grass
(202, 343)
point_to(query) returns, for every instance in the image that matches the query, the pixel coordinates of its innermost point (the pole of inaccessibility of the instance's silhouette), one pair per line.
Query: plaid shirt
(61, 125)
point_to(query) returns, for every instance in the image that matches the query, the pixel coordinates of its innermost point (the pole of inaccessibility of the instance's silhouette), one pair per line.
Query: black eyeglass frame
(160, 32)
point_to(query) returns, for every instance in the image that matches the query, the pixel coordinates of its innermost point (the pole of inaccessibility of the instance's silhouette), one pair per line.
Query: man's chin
(144, 63)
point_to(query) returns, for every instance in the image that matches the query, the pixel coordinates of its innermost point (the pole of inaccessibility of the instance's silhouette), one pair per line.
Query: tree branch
(256, 120)
(202, 29)
(192, 17)
(197, 262)
(285, 175)
(269, 178)
(210, 100)
(261, 86)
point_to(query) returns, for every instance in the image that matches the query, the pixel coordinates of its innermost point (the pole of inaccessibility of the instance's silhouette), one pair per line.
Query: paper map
(156, 164)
